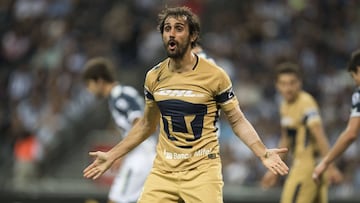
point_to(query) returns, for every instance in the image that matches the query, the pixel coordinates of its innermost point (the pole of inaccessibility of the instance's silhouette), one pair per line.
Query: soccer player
(185, 93)
(126, 107)
(303, 134)
(352, 130)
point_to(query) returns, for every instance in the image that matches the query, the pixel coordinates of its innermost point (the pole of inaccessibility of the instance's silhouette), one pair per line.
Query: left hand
(274, 163)
(318, 171)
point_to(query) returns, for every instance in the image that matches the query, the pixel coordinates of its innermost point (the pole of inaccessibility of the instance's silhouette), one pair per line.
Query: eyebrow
(175, 24)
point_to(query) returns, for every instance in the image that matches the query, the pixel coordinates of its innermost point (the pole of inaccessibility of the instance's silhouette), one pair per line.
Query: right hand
(269, 180)
(98, 167)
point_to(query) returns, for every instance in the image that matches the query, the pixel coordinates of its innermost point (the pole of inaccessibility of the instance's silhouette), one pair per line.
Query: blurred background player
(303, 134)
(126, 106)
(349, 135)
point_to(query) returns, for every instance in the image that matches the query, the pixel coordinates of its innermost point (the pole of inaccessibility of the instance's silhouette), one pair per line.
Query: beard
(179, 51)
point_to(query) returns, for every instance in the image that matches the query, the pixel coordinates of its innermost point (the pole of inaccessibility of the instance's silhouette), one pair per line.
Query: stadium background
(48, 122)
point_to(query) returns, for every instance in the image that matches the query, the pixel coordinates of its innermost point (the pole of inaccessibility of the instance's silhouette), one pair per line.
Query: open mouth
(172, 45)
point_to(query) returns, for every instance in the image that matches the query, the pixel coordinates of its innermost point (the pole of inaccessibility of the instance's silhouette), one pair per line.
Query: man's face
(176, 36)
(95, 87)
(289, 86)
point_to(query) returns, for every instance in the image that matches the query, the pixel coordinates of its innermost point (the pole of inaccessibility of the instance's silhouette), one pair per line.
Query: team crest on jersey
(178, 93)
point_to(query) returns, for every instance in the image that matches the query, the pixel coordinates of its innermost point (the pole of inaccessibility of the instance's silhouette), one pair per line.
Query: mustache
(172, 42)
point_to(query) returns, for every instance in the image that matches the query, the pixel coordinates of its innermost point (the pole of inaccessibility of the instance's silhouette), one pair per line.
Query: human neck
(108, 87)
(184, 64)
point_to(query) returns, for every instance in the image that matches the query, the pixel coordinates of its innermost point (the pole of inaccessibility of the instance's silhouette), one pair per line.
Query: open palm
(98, 166)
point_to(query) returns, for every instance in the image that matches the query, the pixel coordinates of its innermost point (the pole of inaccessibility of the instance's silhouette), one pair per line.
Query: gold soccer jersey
(189, 104)
(296, 118)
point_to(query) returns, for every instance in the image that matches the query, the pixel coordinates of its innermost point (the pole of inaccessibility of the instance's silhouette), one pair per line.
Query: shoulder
(310, 108)
(155, 70)
(130, 91)
(211, 68)
(355, 98)
(153, 75)
(307, 99)
(123, 92)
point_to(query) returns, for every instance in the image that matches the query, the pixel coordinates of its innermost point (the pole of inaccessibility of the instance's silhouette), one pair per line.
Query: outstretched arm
(245, 131)
(347, 137)
(140, 131)
(317, 131)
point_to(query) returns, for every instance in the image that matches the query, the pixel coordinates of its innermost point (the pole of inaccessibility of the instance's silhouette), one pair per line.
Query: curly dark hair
(99, 68)
(192, 20)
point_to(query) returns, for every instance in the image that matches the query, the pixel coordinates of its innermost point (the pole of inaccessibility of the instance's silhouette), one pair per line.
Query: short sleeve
(225, 96)
(311, 113)
(149, 88)
(355, 105)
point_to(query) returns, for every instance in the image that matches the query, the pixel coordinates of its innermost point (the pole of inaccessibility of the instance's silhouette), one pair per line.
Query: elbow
(352, 137)
(152, 129)
(148, 128)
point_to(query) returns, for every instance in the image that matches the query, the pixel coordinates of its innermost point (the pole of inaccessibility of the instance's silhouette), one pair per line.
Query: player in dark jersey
(185, 94)
(303, 134)
(126, 107)
(352, 130)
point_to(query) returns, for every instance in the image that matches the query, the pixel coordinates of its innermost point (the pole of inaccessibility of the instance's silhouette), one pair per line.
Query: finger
(94, 173)
(283, 171)
(272, 169)
(315, 177)
(97, 175)
(91, 166)
(284, 166)
(281, 150)
(93, 153)
(90, 173)
(280, 170)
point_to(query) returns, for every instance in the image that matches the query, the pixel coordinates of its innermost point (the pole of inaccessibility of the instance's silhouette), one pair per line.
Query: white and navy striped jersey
(355, 103)
(125, 104)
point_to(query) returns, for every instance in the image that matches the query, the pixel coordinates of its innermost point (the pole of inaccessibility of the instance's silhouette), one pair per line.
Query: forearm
(246, 132)
(339, 147)
(135, 137)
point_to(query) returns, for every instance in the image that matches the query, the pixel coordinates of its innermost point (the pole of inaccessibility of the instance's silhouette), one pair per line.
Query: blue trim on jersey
(174, 107)
(148, 95)
(225, 96)
(291, 133)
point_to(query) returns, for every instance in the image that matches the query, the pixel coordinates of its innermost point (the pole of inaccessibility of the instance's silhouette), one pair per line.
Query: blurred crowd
(44, 44)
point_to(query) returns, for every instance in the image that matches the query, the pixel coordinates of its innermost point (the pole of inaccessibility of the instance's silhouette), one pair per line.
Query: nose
(172, 32)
